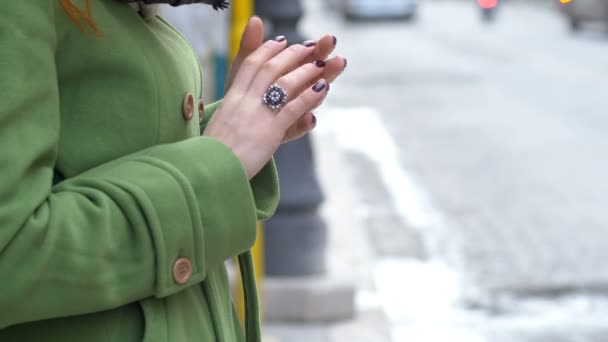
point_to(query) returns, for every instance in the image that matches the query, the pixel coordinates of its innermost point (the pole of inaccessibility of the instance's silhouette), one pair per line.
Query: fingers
(252, 38)
(333, 68)
(305, 124)
(298, 80)
(281, 64)
(267, 60)
(304, 103)
(303, 77)
(252, 64)
(325, 46)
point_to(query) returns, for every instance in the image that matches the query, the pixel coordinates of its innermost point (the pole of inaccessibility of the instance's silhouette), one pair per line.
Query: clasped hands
(248, 126)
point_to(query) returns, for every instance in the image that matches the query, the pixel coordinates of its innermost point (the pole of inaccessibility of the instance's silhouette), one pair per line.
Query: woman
(116, 214)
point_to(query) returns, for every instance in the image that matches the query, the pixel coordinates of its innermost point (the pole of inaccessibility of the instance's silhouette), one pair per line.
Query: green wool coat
(105, 183)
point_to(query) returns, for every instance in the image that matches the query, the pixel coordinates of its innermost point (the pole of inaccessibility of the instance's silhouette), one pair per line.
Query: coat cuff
(265, 185)
(209, 110)
(265, 188)
(169, 204)
(219, 193)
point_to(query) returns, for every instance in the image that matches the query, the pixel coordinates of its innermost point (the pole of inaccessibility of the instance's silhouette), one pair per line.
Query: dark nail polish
(335, 40)
(320, 64)
(314, 120)
(309, 43)
(345, 62)
(279, 39)
(319, 86)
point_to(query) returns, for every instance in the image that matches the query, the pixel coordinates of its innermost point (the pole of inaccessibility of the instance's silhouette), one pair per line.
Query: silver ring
(275, 97)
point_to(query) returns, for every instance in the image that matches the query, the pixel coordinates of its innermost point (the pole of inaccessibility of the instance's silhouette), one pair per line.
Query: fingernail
(335, 40)
(345, 62)
(309, 43)
(279, 39)
(314, 120)
(320, 64)
(319, 86)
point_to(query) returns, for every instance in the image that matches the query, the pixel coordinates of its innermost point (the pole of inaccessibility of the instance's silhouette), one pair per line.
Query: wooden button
(188, 106)
(182, 270)
(201, 111)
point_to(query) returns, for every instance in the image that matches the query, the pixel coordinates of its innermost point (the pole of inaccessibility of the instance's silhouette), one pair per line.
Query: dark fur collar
(217, 4)
(146, 11)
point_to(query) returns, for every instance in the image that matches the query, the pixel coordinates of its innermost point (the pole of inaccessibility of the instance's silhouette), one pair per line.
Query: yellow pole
(242, 10)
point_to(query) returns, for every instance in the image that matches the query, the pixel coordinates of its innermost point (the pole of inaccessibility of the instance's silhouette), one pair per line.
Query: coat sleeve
(111, 235)
(265, 184)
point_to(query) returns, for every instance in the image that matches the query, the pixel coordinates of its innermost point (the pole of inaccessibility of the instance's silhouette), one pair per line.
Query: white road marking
(419, 298)
(361, 130)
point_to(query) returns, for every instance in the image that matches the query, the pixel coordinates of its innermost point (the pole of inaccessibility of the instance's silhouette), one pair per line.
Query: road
(476, 155)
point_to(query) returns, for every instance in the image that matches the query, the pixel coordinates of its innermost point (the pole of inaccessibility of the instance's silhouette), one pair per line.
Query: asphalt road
(484, 147)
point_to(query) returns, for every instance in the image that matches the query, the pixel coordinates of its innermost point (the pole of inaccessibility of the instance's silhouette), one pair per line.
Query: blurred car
(379, 9)
(488, 9)
(579, 11)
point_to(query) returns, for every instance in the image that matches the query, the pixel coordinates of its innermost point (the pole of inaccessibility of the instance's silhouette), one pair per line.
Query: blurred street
(465, 171)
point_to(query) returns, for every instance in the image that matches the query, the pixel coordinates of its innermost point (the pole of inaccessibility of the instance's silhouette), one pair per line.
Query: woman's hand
(253, 36)
(252, 39)
(246, 124)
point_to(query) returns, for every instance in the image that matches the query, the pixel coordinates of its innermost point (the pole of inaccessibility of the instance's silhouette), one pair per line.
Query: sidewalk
(350, 257)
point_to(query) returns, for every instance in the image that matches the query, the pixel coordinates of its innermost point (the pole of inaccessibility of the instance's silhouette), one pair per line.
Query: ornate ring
(275, 97)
